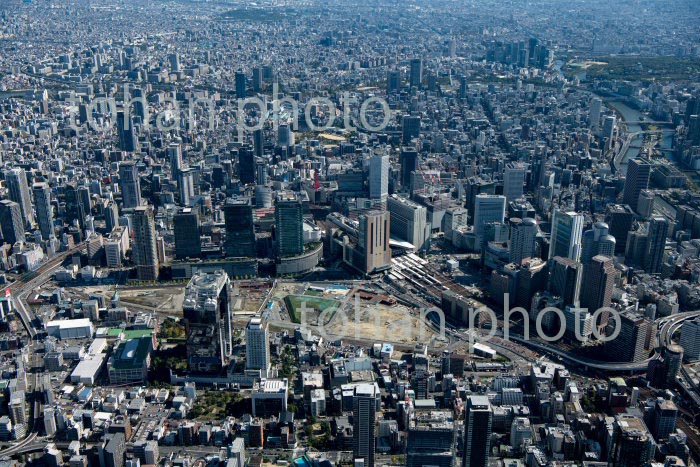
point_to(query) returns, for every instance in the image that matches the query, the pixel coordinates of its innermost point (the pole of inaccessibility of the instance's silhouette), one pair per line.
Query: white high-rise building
(409, 221)
(257, 346)
(567, 230)
(690, 339)
(379, 177)
(522, 239)
(514, 180)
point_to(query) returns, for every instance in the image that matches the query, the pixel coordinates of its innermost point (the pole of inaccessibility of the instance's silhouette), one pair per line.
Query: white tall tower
(567, 230)
(257, 346)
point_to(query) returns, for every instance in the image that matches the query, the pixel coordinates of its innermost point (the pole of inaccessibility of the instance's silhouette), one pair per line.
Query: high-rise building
(44, 210)
(258, 142)
(455, 217)
(409, 221)
(379, 177)
(289, 225)
(186, 229)
(408, 159)
(634, 445)
(185, 183)
(144, 250)
(257, 346)
(111, 216)
(393, 81)
(431, 437)
(690, 339)
(129, 184)
(595, 112)
(656, 244)
(620, 219)
(522, 239)
(636, 180)
(240, 229)
(477, 432)
(206, 309)
(240, 85)
(372, 253)
(175, 158)
(114, 450)
(565, 279)
(488, 209)
(11, 222)
(246, 165)
(598, 283)
(608, 131)
(410, 128)
(531, 278)
(416, 73)
(257, 80)
(18, 191)
(662, 419)
(514, 180)
(567, 228)
(597, 241)
(635, 338)
(126, 132)
(364, 409)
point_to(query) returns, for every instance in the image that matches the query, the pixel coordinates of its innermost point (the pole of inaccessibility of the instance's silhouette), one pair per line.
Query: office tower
(240, 229)
(144, 250)
(531, 278)
(73, 208)
(84, 200)
(11, 222)
(114, 450)
(240, 85)
(597, 241)
(410, 128)
(520, 433)
(111, 216)
(514, 180)
(620, 219)
(246, 165)
(129, 184)
(690, 339)
(565, 279)
(656, 244)
(126, 132)
(364, 411)
(662, 419)
(258, 142)
(284, 135)
(598, 283)
(175, 158)
(206, 309)
(409, 221)
(257, 346)
(608, 131)
(477, 432)
(694, 129)
(595, 112)
(645, 203)
(379, 177)
(567, 228)
(257, 80)
(260, 174)
(185, 184)
(186, 228)
(634, 341)
(44, 210)
(393, 81)
(408, 159)
(636, 180)
(635, 446)
(289, 225)
(430, 440)
(18, 191)
(174, 61)
(488, 209)
(522, 239)
(673, 361)
(372, 253)
(455, 217)
(416, 73)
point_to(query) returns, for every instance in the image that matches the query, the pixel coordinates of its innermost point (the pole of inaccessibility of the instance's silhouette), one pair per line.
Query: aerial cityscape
(431, 233)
